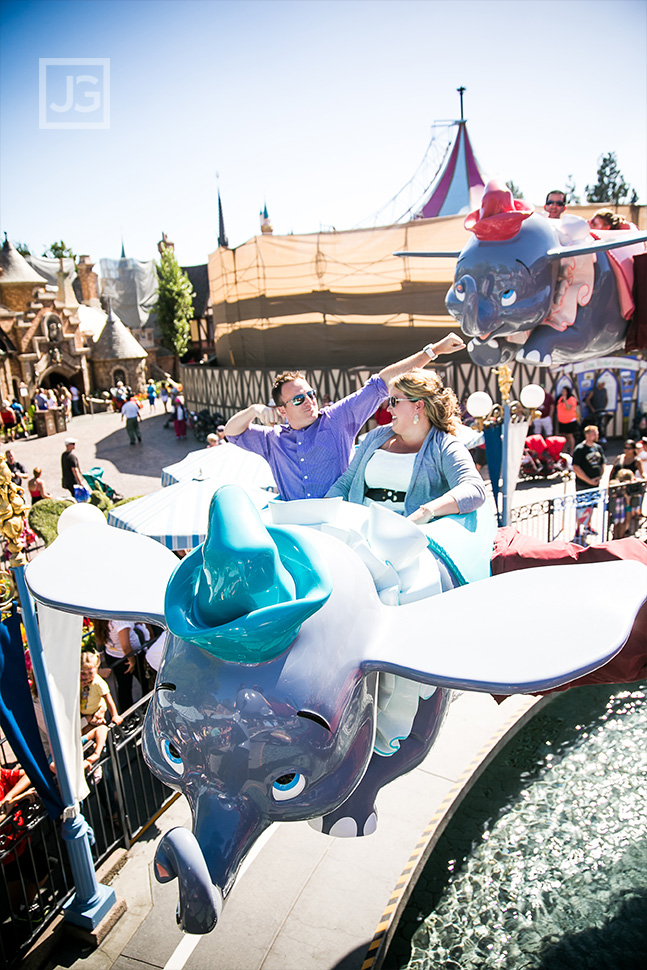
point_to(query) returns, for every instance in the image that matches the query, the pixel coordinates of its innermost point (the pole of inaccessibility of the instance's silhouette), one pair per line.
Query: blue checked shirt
(306, 463)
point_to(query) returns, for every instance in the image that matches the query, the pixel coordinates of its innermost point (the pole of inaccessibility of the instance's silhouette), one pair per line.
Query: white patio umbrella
(226, 464)
(176, 516)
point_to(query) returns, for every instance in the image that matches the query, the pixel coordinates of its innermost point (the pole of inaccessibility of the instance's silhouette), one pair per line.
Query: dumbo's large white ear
(489, 636)
(95, 570)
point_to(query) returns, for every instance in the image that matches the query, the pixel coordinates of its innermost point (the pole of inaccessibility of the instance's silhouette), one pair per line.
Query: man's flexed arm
(241, 421)
(448, 345)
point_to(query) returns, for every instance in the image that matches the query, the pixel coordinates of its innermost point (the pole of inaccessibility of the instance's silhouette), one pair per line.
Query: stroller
(94, 478)
(543, 458)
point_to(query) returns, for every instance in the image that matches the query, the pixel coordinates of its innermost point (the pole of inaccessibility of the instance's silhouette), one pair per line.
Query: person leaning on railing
(24, 872)
(120, 645)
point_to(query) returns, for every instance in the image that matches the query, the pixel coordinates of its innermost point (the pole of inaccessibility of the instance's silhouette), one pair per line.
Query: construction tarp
(333, 298)
(131, 287)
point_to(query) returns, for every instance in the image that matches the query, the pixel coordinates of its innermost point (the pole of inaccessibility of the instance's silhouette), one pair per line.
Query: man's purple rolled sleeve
(306, 463)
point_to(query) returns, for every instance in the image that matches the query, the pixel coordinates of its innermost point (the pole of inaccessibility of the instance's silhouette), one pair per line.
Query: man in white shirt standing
(130, 411)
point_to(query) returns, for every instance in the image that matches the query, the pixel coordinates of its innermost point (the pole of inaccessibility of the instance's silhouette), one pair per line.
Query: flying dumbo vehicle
(307, 665)
(543, 291)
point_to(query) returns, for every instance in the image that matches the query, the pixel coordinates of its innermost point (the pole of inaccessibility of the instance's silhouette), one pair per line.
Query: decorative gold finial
(13, 511)
(505, 380)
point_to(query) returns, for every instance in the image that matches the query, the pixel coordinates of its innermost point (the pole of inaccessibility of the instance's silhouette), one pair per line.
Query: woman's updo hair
(440, 403)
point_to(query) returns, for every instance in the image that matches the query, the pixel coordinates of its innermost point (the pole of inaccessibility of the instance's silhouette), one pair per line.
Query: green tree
(516, 191)
(58, 249)
(611, 185)
(174, 302)
(572, 198)
(23, 249)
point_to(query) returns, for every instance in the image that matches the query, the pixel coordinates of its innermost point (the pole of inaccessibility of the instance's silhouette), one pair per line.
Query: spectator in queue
(309, 452)
(151, 394)
(36, 487)
(217, 437)
(588, 465)
(567, 416)
(18, 473)
(21, 419)
(120, 645)
(179, 417)
(629, 461)
(9, 421)
(70, 470)
(130, 411)
(544, 423)
(76, 400)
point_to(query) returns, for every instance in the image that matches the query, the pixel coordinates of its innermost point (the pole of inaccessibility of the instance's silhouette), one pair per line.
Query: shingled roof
(14, 268)
(116, 342)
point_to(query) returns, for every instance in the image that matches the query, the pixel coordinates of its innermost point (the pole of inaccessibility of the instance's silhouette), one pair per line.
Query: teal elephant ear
(245, 592)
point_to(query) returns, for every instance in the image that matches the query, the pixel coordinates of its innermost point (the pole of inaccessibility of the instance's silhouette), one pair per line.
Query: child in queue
(96, 701)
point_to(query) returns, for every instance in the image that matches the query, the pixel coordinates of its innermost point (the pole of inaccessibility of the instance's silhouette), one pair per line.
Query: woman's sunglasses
(298, 399)
(394, 400)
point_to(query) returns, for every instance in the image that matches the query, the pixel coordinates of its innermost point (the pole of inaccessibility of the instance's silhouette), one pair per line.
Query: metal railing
(35, 875)
(588, 517)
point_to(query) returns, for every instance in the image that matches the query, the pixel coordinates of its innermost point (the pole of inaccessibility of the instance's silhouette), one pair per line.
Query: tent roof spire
(459, 186)
(461, 91)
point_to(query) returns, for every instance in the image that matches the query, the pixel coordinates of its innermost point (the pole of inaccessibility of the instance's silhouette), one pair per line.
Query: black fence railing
(35, 874)
(587, 517)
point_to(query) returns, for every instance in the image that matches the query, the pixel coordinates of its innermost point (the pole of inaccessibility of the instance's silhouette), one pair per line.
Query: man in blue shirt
(309, 452)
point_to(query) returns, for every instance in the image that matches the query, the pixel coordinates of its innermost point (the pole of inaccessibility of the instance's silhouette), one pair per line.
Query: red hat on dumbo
(500, 216)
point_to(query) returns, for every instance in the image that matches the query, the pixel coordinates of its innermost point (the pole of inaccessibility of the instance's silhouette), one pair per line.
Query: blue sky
(321, 108)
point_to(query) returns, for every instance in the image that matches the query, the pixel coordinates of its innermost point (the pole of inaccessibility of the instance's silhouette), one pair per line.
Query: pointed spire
(222, 235)
(266, 225)
(123, 251)
(461, 92)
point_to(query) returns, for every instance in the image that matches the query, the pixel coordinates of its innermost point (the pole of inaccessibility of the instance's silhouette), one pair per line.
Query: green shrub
(43, 517)
(101, 500)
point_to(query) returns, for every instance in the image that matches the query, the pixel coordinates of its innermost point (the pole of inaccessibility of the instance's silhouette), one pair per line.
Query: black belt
(384, 495)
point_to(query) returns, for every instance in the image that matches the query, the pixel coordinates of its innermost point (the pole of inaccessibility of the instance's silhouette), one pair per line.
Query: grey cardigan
(442, 466)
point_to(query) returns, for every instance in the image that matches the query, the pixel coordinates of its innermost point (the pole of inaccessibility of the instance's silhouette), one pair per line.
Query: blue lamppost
(505, 425)
(91, 900)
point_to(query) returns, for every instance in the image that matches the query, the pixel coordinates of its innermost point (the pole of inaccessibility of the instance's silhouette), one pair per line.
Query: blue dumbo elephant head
(504, 280)
(539, 290)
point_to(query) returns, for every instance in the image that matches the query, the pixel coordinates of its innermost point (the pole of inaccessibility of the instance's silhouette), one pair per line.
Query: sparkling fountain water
(544, 865)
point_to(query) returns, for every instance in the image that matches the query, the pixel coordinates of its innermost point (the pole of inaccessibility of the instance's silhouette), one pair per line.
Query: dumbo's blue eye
(459, 290)
(172, 756)
(508, 298)
(288, 786)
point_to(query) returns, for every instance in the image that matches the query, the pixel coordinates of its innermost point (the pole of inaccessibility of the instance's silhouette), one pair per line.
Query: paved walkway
(102, 441)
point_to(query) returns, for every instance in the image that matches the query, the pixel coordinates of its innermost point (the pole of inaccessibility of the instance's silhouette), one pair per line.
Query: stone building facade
(46, 337)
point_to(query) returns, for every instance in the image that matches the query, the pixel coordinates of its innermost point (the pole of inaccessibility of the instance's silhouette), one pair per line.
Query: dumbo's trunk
(200, 905)
(470, 309)
(225, 828)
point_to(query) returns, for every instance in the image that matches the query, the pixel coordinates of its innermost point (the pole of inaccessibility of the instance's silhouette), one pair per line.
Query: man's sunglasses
(298, 399)
(394, 400)
(554, 202)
